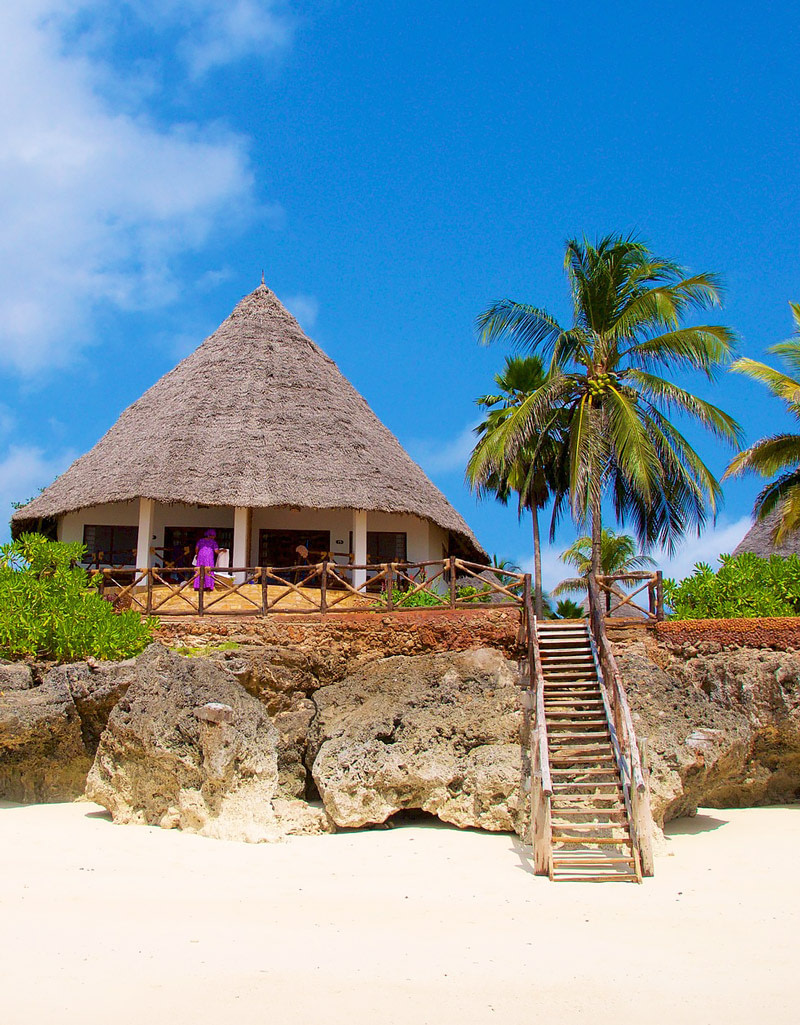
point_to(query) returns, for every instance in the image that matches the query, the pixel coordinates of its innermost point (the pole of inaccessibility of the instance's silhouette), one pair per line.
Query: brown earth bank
(780, 633)
(376, 715)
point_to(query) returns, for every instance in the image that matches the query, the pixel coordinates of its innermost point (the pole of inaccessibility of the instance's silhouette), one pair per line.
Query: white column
(145, 537)
(241, 540)
(359, 545)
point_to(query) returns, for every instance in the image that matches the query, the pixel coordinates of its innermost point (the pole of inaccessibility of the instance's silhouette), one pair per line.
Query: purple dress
(206, 549)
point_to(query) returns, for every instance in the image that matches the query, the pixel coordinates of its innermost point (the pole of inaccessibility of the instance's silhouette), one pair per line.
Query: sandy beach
(419, 923)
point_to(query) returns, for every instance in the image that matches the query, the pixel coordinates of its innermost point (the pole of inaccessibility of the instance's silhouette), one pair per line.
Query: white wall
(116, 514)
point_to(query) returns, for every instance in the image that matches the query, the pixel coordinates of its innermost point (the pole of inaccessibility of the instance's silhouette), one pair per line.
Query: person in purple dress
(206, 555)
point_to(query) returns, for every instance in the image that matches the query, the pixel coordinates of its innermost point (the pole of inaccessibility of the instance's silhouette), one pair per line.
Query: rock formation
(723, 725)
(438, 733)
(42, 754)
(375, 730)
(188, 747)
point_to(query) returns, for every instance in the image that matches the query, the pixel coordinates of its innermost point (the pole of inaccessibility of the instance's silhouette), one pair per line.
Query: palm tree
(605, 386)
(778, 453)
(569, 609)
(533, 471)
(617, 555)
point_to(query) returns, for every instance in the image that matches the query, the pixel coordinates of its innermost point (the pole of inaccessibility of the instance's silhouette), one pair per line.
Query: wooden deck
(246, 600)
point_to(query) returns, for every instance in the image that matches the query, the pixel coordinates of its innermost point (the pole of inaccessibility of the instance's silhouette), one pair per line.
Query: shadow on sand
(691, 825)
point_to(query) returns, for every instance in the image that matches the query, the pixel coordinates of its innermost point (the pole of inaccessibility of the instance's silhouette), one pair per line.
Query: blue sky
(392, 167)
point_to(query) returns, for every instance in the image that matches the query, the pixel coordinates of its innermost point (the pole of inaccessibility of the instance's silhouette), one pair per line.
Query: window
(110, 546)
(179, 543)
(385, 546)
(278, 547)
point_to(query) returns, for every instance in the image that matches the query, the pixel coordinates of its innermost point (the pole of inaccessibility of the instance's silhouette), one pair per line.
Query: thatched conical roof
(758, 540)
(256, 416)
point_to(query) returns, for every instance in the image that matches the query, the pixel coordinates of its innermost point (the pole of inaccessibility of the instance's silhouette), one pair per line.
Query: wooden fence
(323, 587)
(614, 600)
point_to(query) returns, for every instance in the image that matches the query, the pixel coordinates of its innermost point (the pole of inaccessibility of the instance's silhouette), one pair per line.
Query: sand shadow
(99, 813)
(525, 854)
(692, 825)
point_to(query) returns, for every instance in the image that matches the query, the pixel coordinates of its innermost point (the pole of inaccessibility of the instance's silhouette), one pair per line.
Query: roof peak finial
(262, 278)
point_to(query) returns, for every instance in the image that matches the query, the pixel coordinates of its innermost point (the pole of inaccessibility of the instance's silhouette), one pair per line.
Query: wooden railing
(323, 587)
(541, 780)
(616, 601)
(626, 747)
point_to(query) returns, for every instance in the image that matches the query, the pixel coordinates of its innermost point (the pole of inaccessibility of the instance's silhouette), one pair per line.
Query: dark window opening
(110, 546)
(279, 547)
(385, 546)
(179, 543)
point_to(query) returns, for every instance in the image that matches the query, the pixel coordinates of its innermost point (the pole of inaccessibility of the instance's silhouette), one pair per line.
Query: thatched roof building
(256, 418)
(758, 540)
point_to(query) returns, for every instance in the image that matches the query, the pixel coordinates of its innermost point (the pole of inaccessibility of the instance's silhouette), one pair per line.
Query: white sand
(121, 924)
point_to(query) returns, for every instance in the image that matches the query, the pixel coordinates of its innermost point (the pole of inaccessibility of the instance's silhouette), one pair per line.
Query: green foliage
(203, 650)
(569, 609)
(743, 587)
(777, 455)
(49, 608)
(411, 600)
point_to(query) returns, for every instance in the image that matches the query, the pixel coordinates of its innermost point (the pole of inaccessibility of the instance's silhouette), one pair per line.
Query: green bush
(409, 600)
(743, 587)
(50, 609)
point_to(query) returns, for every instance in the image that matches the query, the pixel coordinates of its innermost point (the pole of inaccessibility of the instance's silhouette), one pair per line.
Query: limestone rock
(42, 754)
(722, 727)
(437, 733)
(15, 676)
(159, 763)
(95, 688)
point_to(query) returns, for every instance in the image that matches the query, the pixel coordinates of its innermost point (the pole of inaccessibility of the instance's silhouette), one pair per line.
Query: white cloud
(443, 457)
(7, 421)
(96, 203)
(305, 308)
(716, 540)
(220, 31)
(23, 471)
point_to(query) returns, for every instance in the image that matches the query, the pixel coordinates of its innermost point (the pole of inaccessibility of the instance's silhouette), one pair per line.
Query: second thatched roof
(758, 540)
(256, 416)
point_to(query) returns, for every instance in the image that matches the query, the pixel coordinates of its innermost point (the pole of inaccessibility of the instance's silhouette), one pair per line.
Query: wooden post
(452, 581)
(323, 588)
(389, 570)
(149, 606)
(201, 592)
(659, 596)
(264, 592)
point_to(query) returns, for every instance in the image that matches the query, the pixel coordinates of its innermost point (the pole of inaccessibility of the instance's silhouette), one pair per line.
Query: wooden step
(584, 772)
(601, 862)
(573, 757)
(614, 877)
(566, 700)
(616, 813)
(598, 837)
(591, 738)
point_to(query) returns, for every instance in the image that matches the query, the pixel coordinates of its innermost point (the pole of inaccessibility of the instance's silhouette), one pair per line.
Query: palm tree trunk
(597, 533)
(538, 600)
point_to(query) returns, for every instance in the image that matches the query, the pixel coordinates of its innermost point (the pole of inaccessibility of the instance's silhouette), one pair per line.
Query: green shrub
(409, 600)
(743, 587)
(50, 609)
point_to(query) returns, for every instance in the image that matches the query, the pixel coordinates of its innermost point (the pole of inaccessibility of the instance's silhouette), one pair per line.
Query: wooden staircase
(591, 832)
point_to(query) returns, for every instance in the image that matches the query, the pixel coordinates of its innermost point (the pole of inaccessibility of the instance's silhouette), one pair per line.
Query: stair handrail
(640, 795)
(541, 782)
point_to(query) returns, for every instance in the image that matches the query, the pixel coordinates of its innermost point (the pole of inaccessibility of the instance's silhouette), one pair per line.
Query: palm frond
(767, 456)
(670, 396)
(527, 326)
(705, 348)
